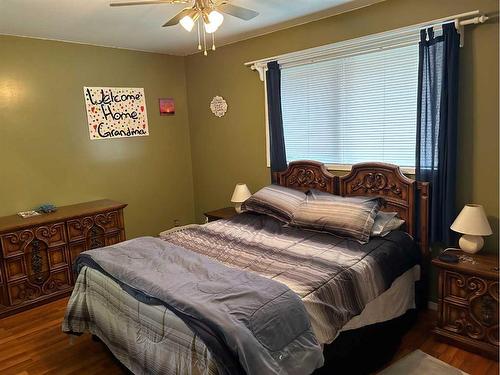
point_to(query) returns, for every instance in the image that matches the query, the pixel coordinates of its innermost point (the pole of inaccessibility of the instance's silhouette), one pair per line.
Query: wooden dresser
(37, 253)
(468, 303)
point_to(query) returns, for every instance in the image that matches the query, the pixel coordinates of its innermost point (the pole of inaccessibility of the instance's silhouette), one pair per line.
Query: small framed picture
(167, 107)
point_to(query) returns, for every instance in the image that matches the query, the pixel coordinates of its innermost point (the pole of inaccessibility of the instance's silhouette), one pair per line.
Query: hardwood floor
(32, 343)
(421, 337)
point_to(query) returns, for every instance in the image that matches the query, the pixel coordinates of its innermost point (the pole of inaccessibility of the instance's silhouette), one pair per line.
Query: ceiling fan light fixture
(216, 18)
(203, 13)
(187, 23)
(210, 27)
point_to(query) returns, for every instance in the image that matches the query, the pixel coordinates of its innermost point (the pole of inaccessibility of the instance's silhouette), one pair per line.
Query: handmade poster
(116, 112)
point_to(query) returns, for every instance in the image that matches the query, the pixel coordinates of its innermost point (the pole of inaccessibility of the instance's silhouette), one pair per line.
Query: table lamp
(240, 195)
(472, 224)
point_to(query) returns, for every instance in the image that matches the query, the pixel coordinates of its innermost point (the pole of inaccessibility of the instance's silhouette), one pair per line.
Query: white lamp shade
(472, 220)
(241, 193)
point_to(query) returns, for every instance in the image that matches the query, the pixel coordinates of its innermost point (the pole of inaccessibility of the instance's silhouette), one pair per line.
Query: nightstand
(222, 213)
(468, 303)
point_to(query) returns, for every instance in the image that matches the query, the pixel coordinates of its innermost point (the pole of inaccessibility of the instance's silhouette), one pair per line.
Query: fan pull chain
(205, 42)
(199, 36)
(213, 41)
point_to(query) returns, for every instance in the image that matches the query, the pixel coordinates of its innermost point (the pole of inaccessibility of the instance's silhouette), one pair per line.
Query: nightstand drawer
(480, 324)
(459, 288)
(464, 289)
(468, 304)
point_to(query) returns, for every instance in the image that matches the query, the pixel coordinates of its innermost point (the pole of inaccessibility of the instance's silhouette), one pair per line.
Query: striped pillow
(345, 216)
(385, 222)
(277, 201)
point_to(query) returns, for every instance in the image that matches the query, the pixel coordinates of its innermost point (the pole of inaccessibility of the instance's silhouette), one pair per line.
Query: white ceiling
(139, 27)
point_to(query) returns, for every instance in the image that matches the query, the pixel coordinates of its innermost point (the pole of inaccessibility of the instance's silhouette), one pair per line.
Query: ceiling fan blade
(236, 11)
(148, 2)
(175, 19)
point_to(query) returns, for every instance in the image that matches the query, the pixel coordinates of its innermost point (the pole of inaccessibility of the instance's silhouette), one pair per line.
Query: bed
(149, 338)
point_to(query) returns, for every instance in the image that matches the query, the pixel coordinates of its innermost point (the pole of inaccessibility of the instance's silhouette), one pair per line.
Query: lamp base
(471, 244)
(237, 208)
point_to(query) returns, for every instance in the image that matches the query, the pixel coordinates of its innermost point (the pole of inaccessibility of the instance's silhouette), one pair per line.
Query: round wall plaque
(218, 106)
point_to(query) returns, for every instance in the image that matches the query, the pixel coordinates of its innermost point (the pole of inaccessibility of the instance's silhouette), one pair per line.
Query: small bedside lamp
(240, 194)
(473, 224)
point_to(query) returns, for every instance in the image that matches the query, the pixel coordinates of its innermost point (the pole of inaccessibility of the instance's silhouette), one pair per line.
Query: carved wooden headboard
(401, 194)
(308, 174)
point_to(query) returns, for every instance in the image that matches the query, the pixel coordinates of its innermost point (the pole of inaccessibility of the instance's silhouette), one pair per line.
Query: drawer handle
(36, 261)
(487, 310)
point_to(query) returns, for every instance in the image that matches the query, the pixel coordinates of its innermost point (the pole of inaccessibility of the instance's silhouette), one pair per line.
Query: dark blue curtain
(437, 108)
(276, 136)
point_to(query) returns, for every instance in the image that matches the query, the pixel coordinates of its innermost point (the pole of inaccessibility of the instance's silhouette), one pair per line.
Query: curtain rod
(460, 20)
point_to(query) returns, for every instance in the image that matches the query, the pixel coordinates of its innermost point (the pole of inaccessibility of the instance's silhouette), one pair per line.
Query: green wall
(232, 149)
(45, 151)
(184, 168)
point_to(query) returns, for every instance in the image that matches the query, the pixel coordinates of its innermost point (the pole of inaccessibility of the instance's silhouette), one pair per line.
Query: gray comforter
(251, 324)
(334, 276)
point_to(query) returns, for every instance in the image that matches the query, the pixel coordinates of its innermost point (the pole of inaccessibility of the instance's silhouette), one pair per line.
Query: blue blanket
(250, 324)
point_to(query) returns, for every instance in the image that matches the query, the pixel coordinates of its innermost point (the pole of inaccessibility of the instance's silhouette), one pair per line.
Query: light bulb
(211, 28)
(215, 18)
(187, 23)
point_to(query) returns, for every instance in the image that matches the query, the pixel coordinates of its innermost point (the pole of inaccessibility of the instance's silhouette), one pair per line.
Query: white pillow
(385, 222)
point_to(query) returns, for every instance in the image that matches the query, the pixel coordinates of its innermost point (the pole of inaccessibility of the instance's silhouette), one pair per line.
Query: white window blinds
(353, 109)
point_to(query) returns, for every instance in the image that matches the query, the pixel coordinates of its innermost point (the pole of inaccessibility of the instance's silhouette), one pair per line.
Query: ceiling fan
(206, 14)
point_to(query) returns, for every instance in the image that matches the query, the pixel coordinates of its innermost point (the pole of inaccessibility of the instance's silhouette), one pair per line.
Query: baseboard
(432, 305)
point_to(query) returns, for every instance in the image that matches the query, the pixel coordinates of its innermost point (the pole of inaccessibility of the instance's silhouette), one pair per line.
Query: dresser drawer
(14, 243)
(75, 248)
(25, 291)
(36, 262)
(58, 281)
(58, 257)
(19, 242)
(15, 268)
(53, 235)
(114, 238)
(78, 228)
(99, 224)
(22, 292)
(109, 221)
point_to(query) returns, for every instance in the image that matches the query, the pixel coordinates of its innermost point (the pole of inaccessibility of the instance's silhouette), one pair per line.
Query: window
(353, 108)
